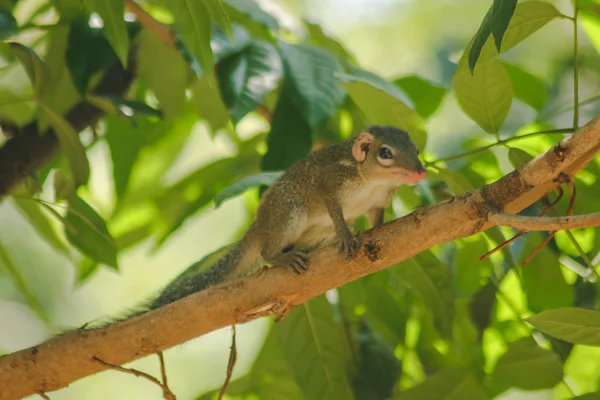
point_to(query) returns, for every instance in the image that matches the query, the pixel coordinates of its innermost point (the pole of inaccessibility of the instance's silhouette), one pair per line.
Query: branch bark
(527, 224)
(59, 361)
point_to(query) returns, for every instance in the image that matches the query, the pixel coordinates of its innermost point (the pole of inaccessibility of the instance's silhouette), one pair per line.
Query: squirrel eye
(385, 153)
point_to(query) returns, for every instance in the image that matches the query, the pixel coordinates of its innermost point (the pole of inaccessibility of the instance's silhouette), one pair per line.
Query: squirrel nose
(421, 172)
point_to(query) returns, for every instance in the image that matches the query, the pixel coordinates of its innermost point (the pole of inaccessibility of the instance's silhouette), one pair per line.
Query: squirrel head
(388, 153)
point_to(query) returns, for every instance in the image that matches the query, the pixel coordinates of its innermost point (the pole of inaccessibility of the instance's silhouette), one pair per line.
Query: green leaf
(64, 189)
(8, 25)
(41, 222)
(193, 23)
(384, 107)
(544, 284)
(426, 96)
(68, 9)
(318, 37)
(590, 22)
(378, 368)
(112, 14)
(573, 325)
(218, 14)
(502, 12)
(36, 70)
(207, 100)
(312, 343)
(431, 280)
(446, 385)
(87, 231)
(457, 182)
(164, 71)
(120, 106)
(252, 10)
(88, 52)
(518, 157)
(71, 146)
(224, 46)
(588, 396)
(311, 72)
(17, 102)
(470, 273)
(247, 76)
(485, 96)
(480, 39)
(290, 137)
(528, 18)
(526, 366)
(248, 182)
(527, 87)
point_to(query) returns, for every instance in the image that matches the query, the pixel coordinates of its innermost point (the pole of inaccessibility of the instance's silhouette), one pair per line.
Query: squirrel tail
(239, 259)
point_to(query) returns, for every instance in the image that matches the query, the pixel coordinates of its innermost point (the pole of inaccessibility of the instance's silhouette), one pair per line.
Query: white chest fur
(360, 199)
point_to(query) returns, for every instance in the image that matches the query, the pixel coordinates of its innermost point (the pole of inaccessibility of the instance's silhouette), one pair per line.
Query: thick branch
(526, 224)
(26, 152)
(59, 361)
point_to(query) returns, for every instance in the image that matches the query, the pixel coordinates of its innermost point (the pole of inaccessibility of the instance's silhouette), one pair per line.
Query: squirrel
(310, 205)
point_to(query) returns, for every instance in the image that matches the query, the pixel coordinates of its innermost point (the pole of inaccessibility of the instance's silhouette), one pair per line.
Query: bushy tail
(191, 281)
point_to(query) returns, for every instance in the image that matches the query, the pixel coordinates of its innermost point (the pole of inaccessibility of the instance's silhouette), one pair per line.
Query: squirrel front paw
(349, 244)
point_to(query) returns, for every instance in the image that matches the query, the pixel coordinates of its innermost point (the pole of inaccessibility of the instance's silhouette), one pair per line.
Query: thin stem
(558, 111)
(500, 142)
(575, 69)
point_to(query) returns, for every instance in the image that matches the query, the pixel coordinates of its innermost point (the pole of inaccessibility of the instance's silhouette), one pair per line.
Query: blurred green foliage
(443, 325)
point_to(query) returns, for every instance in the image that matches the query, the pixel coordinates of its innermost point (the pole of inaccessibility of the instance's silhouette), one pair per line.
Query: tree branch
(526, 224)
(26, 152)
(61, 360)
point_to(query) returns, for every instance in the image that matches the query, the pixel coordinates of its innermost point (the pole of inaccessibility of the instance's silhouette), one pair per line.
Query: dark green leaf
(165, 72)
(247, 76)
(526, 366)
(224, 46)
(40, 221)
(426, 96)
(544, 283)
(88, 52)
(87, 231)
(290, 138)
(431, 280)
(120, 106)
(207, 100)
(447, 385)
(36, 70)
(8, 25)
(378, 368)
(518, 157)
(312, 342)
(319, 38)
(311, 72)
(527, 87)
(477, 43)
(502, 12)
(112, 14)
(193, 22)
(385, 108)
(573, 325)
(68, 9)
(248, 182)
(72, 147)
(485, 96)
(588, 396)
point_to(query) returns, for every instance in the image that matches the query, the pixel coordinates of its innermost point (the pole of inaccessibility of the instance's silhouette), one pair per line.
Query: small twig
(546, 223)
(168, 395)
(539, 247)
(44, 396)
(149, 22)
(230, 364)
(163, 370)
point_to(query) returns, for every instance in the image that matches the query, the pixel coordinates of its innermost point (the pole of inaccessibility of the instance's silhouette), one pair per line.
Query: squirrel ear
(361, 146)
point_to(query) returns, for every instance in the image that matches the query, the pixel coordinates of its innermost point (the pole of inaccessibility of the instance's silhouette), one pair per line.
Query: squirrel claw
(350, 245)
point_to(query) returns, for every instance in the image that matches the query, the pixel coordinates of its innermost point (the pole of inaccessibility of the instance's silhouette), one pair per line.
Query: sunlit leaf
(72, 147)
(164, 71)
(64, 189)
(518, 157)
(384, 108)
(446, 385)
(86, 229)
(112, 14)
(319, 38)
(248, 182)
(312, 343)
(36, 70)
(207, 100)
(193, 22)
(485, 96)
(573, 325)
(527, 87)
(426, 96)
(431, 280)
(218, 14)
(526, 366)
(311, 73)
(247, 76)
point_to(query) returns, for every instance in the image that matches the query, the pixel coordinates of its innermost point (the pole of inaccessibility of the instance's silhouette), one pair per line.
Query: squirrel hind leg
(295, 259)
